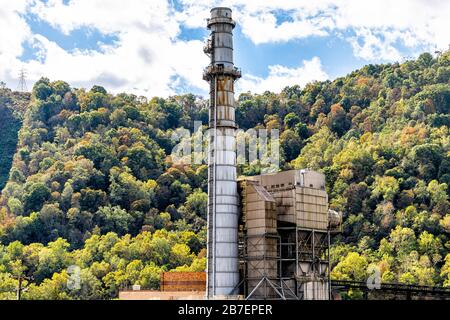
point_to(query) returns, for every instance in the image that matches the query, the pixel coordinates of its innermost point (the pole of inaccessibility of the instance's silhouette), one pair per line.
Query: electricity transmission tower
(22, 81)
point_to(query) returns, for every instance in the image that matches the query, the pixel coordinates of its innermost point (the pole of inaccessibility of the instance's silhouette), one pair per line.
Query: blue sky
(255, 58)
(154, 47)
(78, 39)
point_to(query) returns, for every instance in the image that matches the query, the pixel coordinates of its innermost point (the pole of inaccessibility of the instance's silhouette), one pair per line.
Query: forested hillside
(93, 185)
(12, 109)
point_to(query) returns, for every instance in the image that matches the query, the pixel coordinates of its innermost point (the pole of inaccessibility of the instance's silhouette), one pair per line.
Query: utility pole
(22, 81)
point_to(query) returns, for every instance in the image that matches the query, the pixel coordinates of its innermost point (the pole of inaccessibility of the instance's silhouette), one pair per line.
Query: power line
(22, 86)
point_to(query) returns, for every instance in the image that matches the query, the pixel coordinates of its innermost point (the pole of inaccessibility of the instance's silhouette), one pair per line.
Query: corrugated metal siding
(261, 222)
(311, 208)
(315, 290)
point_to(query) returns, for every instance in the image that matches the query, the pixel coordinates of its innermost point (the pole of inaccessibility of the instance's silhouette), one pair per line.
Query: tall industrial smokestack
(223, 265)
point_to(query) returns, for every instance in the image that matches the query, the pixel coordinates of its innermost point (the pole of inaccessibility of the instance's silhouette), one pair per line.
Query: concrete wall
(161, 295)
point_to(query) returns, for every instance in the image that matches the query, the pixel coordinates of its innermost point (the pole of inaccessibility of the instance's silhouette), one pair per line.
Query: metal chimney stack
(223, 265)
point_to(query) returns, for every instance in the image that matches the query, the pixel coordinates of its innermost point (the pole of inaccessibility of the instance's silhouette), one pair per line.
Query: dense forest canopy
(92, 183)
(12, 110)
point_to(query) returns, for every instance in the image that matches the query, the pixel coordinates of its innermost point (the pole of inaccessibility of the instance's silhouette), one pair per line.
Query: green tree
(114, 219)
(291, 120)
(35, 198)
(352, 267)
(387, 187)
(291, 144)
(197, 202)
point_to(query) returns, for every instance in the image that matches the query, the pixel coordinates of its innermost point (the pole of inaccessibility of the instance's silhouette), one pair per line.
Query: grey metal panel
(222, 292)
(226, 208)
(224, 55)
(226, 112)
(315, 290)
(225, 40)
(309, 178)
(221, 134)
(226, 250)
(220, 12)
(228, 123)
(228, 274)
(227, 188)
(226, 143)
(226, 264)
(226, 237)
(226, 131)
(226, 175)
(227, 220)
(226, 157)
(226, 199)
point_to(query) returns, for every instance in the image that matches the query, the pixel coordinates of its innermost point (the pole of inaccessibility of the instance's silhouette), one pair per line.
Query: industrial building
(268, 236)
(285, 229)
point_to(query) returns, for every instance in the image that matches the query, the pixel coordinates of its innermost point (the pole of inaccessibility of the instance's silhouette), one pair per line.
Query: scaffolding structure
(266, 281)
(306, 261)
(301, 263)
(285, 233)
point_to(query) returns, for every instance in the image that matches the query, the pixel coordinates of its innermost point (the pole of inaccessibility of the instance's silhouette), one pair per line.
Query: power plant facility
(285, 229)
(269, 235)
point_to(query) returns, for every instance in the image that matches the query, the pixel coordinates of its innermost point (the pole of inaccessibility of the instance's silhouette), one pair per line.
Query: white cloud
(381, 25)
(413, 23)
(148, 57)
(370, 46)
(11, 42)
(263, 28)
(145, 59)
(141, 63)
(109, 16)
(279, 77)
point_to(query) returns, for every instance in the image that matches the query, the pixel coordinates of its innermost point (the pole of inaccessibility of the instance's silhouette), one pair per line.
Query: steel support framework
(305, 257)
(264, 284)
(302, 256)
